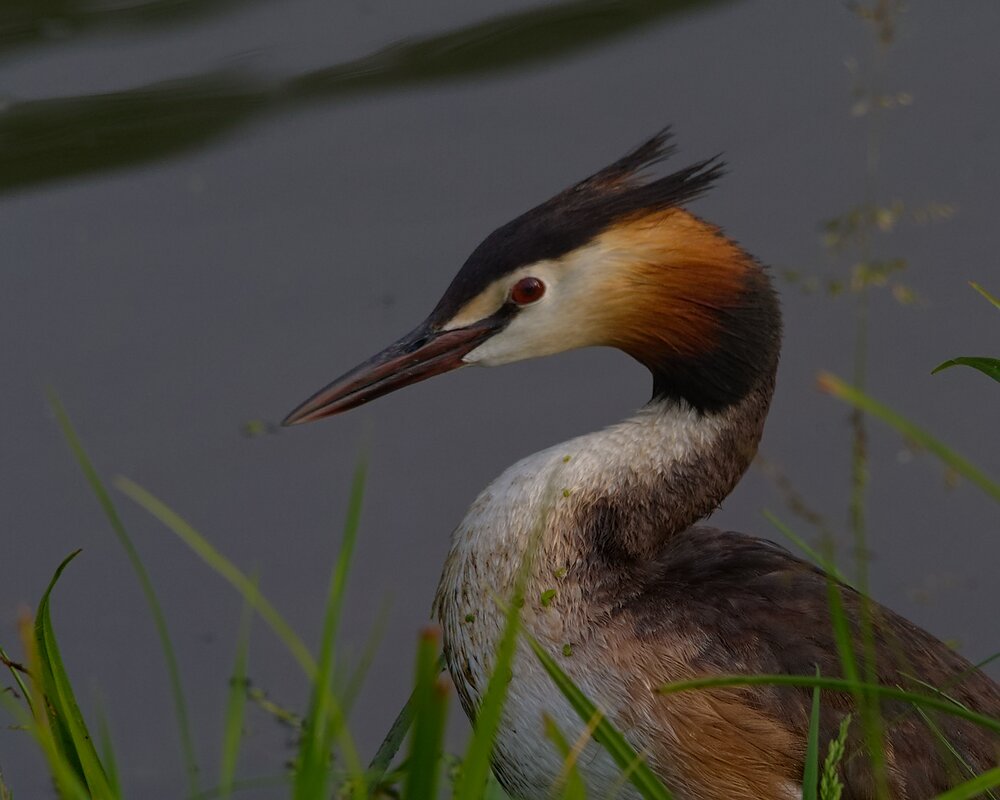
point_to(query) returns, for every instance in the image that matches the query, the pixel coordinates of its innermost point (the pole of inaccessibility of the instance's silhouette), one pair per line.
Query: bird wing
(747, 605)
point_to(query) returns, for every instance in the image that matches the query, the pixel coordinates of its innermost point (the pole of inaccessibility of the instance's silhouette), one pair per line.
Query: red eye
(527, 290)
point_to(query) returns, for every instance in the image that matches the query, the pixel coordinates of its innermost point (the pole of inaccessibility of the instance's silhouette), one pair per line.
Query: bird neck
(608, 501)
(639, 482)
(692, 306)
(590, 514)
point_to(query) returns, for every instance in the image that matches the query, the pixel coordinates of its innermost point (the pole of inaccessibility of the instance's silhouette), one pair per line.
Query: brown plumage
(626, 589)
(775, 619)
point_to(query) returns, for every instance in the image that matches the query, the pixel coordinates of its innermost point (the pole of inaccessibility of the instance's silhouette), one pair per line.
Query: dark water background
(181, 259)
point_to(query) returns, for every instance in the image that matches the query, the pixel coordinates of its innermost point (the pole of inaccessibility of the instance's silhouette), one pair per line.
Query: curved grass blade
(957, 759)
(16, 670)
(990, 367)
(355, 679)
(605, 733)
(813, 554)
(393, 739)
(69, 729)
(68, 786)
(108, 755)
(569, 785)
(235, 705)
(249, 591)
(155, 610)
(988, 660)
(430, 713)
(325, 722)
(810, 772)
(995, 301)
(837, 684)
(476, 765)
(973, 788)
(870, 711)
(964, 467)
(224, 567)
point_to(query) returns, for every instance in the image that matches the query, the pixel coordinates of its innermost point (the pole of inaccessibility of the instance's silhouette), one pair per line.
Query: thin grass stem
(159, 618)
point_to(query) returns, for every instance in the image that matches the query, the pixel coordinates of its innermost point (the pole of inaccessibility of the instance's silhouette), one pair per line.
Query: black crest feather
(578, 214)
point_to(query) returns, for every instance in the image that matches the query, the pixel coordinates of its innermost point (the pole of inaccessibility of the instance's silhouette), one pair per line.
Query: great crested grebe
(643, 594)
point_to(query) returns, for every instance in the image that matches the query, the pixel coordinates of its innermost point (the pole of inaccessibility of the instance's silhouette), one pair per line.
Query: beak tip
(296, 417)
(311, 411)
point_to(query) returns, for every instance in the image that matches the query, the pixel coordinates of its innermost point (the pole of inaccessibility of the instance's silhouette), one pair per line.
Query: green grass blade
(605, 733)
(16, 670)
(476, 765)
(842, 635)
(159, 619)
(984, 293)
(973, 788)
(493, 790)
(965, 468)
(988, 660)
(68, 786)
(810, 772)
(957, 759)
(430, 713)
(71, 734)
(988, 366)
(325, 722)
(355, 680)
(224, 567)
(394, 739)
(813, 554)
(236, 704)
(248, 590)
(108, 755)
(569, 785)
(836, 684)
(869, 709)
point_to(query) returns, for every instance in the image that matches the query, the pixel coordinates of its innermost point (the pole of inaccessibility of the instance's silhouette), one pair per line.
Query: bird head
(612, 261)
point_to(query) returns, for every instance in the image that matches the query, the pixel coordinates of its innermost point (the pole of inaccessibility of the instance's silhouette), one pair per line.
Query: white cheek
(527, 336)
(542, 329)
(562, 320)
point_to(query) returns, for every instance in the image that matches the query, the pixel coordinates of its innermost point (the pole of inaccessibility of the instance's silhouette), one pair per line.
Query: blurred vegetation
(42, 23)
(57, 138)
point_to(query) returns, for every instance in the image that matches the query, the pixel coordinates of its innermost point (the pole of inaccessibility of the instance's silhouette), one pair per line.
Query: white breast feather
(486, 551)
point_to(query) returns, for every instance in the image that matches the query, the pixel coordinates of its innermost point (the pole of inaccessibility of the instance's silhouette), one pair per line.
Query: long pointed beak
(421, 354)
